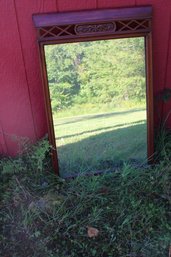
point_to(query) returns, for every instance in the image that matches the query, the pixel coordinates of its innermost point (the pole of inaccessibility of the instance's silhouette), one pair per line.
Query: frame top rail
(65, 18)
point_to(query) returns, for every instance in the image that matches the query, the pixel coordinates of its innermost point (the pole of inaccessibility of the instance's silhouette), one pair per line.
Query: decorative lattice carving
(113, 27)
(132, 25)
(55, 31)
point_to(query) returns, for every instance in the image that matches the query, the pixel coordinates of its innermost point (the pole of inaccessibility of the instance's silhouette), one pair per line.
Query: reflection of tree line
(96, 72)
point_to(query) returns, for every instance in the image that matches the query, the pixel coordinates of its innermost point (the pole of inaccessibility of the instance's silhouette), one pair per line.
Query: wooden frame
(57, 28)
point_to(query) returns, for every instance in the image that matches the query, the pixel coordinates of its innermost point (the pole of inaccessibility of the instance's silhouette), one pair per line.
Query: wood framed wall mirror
(98, 90)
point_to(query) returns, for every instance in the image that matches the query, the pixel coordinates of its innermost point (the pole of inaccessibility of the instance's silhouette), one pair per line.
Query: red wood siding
(31, 58)
(115, 4)
(67, 5)
(15, 108)
(21, 95)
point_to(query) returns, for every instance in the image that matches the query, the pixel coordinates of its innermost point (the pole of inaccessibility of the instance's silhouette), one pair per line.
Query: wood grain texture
(25, 9)
(75, 5)
(15, 109)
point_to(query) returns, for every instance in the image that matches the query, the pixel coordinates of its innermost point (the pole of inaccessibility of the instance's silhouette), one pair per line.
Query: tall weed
(44, 215)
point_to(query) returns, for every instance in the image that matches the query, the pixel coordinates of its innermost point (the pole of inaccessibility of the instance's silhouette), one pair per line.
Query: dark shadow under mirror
(98, 99)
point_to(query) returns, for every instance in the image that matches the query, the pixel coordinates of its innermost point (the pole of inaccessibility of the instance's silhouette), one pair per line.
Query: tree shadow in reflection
(104, 151)
(100, 129)
(75, 119)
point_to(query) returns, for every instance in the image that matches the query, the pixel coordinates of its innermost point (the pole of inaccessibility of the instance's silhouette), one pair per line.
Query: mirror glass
(98, 99)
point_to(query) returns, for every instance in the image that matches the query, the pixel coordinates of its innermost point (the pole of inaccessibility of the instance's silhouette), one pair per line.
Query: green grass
(43, 215)
(88, 143)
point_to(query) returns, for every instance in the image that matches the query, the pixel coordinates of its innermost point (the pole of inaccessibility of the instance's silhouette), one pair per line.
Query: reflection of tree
(100, 71)
(62, 64)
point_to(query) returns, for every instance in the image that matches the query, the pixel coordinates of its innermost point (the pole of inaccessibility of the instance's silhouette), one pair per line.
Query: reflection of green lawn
(86, 142)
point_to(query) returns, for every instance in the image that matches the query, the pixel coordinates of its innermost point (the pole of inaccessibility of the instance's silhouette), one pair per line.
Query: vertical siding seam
(25, 71)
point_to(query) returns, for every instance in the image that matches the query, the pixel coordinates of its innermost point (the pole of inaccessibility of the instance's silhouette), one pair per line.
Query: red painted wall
(22, 111)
